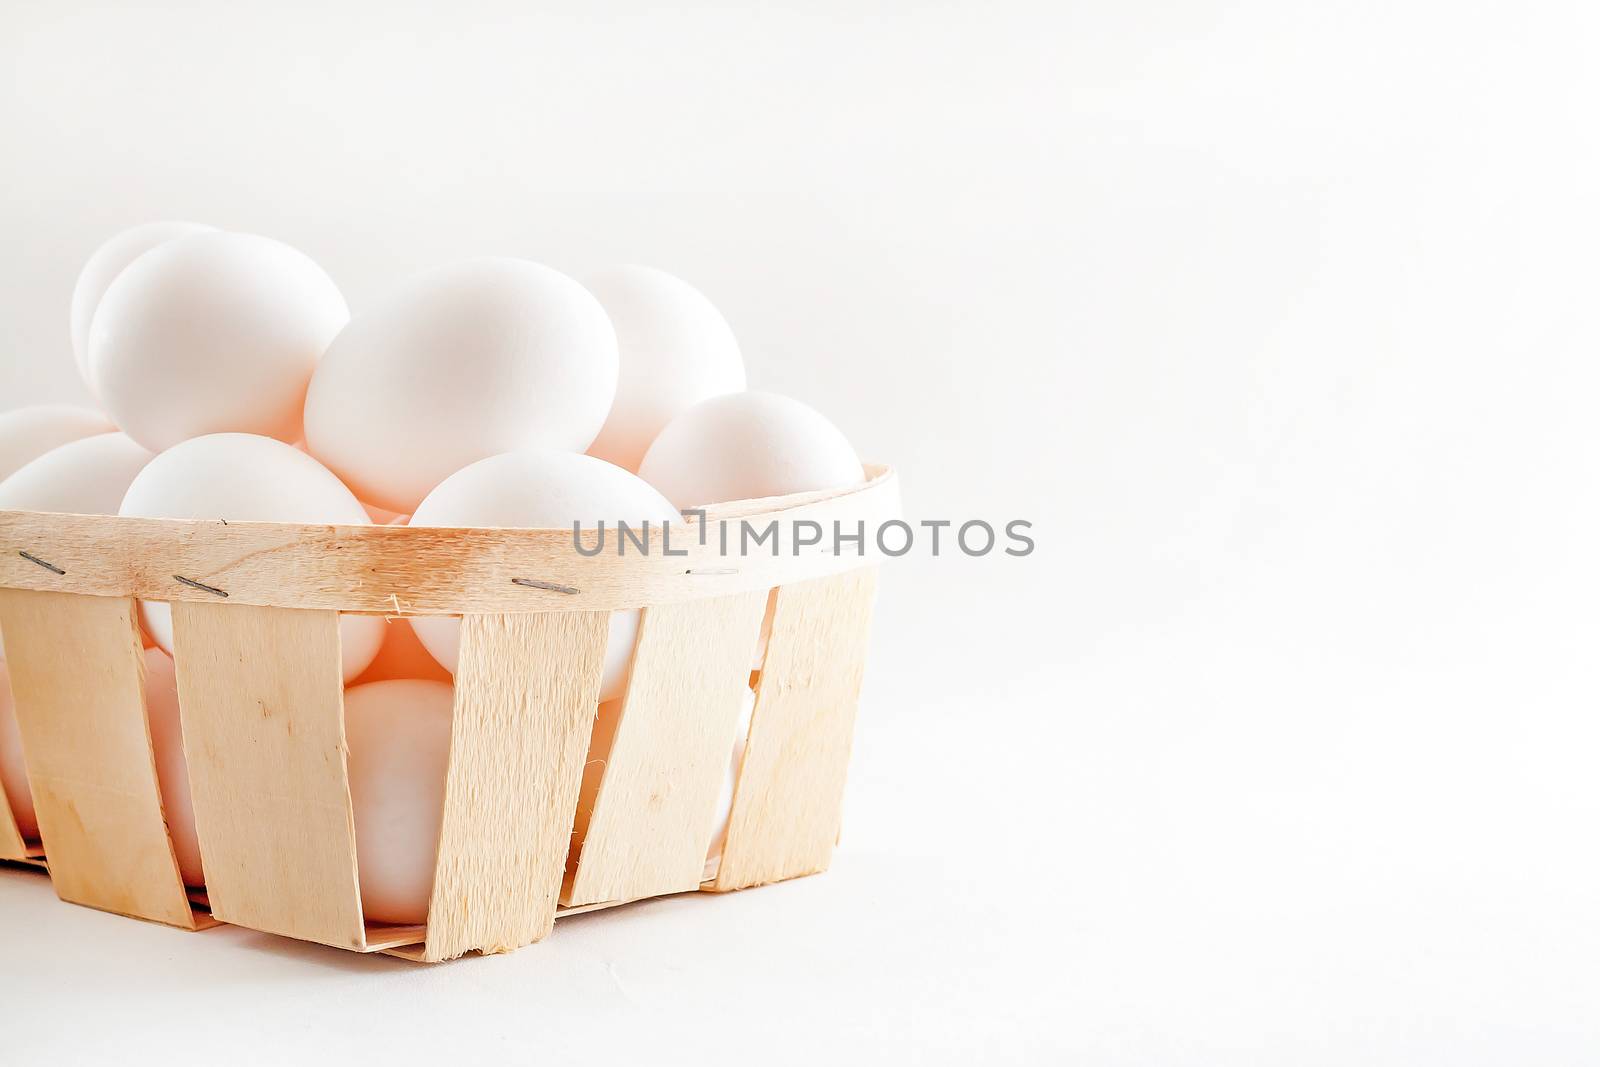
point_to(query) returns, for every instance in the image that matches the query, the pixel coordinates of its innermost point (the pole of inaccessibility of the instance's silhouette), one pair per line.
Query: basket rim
(425, 570)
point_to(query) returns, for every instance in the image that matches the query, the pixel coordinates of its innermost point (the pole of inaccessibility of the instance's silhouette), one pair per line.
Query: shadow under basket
(255, 611)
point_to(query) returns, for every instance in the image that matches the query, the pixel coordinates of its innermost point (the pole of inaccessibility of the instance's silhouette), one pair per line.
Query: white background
(1277, 320)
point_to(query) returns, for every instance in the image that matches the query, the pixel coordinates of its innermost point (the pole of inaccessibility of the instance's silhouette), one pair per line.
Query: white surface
(1277, 318)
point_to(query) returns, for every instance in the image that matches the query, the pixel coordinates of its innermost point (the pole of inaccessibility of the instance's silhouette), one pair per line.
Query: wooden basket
(255, 616)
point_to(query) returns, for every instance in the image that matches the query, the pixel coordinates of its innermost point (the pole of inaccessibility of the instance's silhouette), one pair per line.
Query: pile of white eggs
(233, 383)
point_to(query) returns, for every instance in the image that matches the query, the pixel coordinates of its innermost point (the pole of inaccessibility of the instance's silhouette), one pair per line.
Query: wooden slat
(12, 846)
(786, 806)
(655, 808)
(261, 696)
(526, 692)
(414, 570)
(381, 936)
(77, 673)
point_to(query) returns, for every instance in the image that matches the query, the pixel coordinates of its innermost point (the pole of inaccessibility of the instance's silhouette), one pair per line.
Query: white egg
(747, 445)
(13, 774)
(244, 477)
(730, 780)
(89, 476)
(47, 462)
(28, 433)
(674, 349)
(398, 733)
(541, 488)
(744, 446)
(212, 333)
(102, 269)
(172, 770)
(464, 362)
(402, 656)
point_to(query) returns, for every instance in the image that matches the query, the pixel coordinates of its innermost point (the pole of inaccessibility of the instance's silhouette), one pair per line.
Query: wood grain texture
(77, 674)
(261, 697)
(412, 570)
(526, 692)
(655, 808)
(786, 805)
